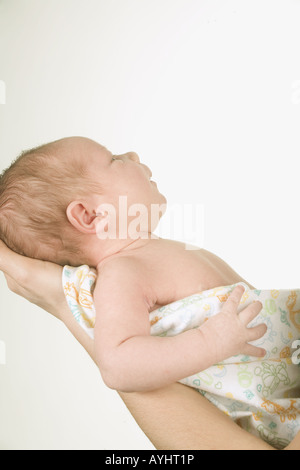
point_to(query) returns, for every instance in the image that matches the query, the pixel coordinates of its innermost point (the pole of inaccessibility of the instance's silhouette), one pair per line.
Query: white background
(207, 92)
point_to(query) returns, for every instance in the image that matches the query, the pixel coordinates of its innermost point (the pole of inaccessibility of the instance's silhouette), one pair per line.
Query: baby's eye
(119, 159)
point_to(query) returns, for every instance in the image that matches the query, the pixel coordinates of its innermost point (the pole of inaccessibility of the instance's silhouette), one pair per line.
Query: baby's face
(119, 175)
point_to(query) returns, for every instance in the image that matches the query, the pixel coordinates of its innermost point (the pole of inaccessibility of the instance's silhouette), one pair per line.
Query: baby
(68, 202)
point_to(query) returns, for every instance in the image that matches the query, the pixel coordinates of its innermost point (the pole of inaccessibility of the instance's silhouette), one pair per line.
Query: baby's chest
(173, 284)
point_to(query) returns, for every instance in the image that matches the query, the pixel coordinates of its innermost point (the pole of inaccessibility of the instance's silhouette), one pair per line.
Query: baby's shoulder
(126, 273)
(121, 264)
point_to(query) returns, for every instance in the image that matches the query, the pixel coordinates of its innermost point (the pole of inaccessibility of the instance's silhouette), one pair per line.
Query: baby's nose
(134, 156)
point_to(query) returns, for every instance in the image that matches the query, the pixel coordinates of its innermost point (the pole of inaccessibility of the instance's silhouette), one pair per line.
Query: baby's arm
(131, 360)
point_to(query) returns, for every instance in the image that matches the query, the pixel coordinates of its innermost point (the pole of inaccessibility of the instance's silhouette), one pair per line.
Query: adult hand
(40, 282)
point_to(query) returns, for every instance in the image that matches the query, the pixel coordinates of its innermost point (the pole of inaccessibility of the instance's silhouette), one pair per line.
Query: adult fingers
(13, 285)
(11, 263)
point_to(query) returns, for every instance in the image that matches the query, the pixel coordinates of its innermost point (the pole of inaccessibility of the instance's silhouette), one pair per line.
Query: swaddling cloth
(261, 394)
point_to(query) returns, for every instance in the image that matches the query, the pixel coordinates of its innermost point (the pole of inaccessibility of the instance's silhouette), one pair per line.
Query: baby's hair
(35, 191)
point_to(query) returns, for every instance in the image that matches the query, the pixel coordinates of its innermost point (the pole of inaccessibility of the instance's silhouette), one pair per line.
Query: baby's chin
(163, 199)
(162, 203)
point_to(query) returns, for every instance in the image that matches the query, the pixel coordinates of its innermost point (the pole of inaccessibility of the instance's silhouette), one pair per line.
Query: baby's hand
(227, 332)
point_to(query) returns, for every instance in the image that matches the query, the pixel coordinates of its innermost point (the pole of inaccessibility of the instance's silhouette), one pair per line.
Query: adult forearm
(176, 407)
(196, 424)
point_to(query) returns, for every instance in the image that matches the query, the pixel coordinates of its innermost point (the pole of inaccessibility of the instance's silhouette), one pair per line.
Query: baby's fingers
(251, 350)
(257, 332)
(250, 312)
(232, 303)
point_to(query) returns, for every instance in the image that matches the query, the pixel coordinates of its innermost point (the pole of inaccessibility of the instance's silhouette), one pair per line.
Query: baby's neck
(97, 251)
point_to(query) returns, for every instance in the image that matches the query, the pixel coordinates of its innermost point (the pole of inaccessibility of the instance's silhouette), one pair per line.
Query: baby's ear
(81, 216)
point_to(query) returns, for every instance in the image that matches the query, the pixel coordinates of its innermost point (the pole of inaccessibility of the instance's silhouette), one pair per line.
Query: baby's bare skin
(170, 272)
(137, 273)
(166, 271)
(173, 407)
(139, 279)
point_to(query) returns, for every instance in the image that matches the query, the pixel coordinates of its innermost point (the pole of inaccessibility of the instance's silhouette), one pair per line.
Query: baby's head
(50, 195)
